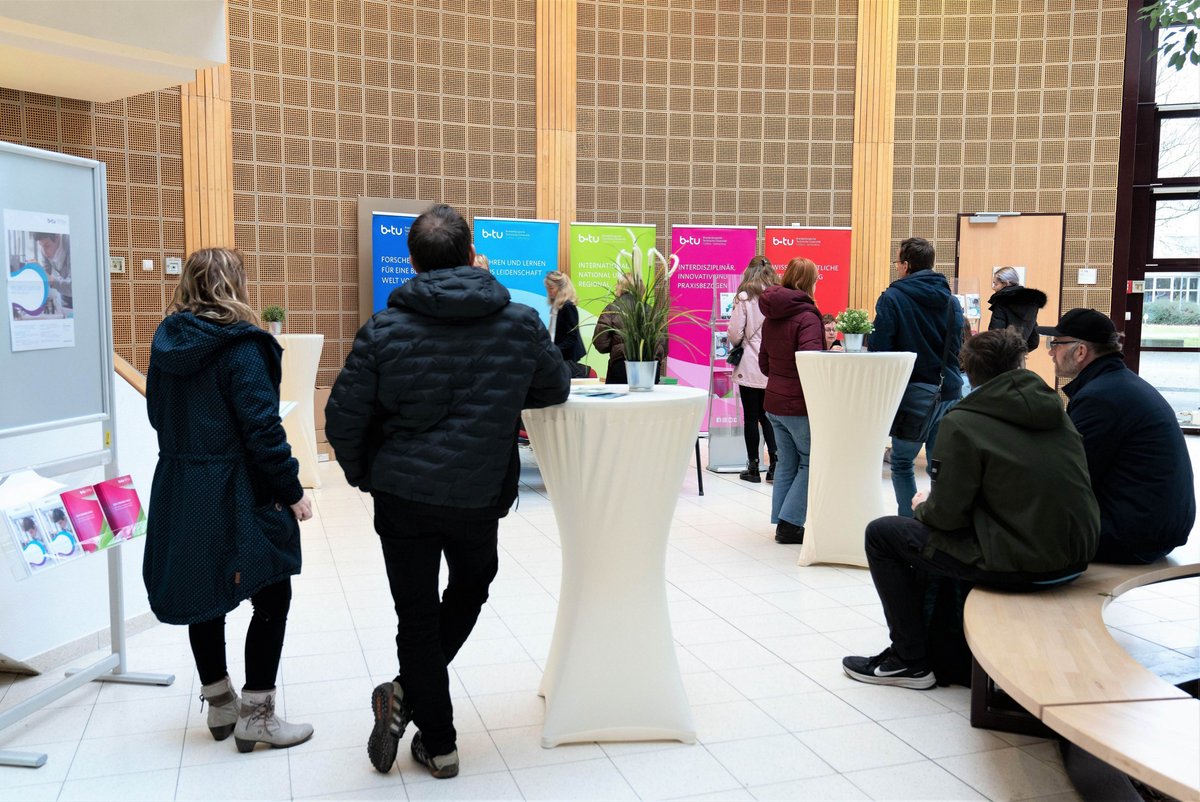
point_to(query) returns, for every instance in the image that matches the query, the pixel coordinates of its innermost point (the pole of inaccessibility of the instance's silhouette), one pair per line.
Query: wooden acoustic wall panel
(716, 112)
(207, 162)
(139, 141)
(332, 99)
(1011, 106)
(557, 36)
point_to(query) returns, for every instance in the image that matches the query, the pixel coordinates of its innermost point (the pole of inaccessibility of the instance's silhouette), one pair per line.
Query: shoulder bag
(915, 415)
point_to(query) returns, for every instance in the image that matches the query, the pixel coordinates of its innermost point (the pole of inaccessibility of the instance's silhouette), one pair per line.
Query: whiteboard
(52, 387)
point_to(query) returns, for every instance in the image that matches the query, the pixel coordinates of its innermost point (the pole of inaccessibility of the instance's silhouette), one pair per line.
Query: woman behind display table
(222, 526)
(564, 321)
(745, 329)
(607, 340)
(793, 323)
(832, 342)
(1015, 306)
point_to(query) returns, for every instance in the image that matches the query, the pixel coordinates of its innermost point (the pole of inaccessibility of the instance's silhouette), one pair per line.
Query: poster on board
(391, 264)
(41, 310)
(828, 248)
(595, 248)
(520, 253)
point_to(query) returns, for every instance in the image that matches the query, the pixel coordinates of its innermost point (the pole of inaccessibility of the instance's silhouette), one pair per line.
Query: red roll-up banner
(829, 248)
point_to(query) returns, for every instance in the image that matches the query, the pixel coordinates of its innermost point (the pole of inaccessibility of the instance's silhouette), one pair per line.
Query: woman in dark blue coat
(226, 498)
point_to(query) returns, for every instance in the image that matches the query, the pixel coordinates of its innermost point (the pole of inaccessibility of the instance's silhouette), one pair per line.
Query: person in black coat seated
(564, 321)
(1016, 306)
(1138, 462)
(222, 526)
(424, 417)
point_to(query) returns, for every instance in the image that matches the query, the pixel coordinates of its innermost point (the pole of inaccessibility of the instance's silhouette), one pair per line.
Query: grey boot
(223, 706)
(257, 723)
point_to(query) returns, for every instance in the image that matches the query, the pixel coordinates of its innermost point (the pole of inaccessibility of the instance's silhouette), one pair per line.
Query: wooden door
(1032, 241)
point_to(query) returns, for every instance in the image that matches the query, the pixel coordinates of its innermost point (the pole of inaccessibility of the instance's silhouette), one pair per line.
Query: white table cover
(301, 359)
(613, 469)
(852, 399)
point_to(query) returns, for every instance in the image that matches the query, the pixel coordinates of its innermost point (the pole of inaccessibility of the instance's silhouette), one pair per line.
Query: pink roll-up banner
(711, 262)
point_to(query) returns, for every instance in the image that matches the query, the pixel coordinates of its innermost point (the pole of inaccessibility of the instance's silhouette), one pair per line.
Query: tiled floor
(759, 642)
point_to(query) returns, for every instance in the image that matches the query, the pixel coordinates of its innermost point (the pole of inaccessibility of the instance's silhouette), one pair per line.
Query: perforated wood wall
(138, 139)
(404, 99)
(1011, 105)
(716, 112)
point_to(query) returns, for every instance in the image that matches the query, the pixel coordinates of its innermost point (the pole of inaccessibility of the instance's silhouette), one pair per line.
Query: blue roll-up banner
(391, 265)
(520, 253)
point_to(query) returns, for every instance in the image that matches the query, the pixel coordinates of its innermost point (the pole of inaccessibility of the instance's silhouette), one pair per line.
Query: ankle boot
(751, 472)
(771, 469)
(257, 723)
(223, 706)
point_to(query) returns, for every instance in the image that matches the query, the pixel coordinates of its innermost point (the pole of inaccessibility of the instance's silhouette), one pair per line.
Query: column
(207, 132)
(557, 34)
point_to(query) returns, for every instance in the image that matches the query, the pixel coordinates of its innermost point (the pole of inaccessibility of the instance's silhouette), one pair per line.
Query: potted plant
(639, 312)
(853, 323)
(273, 316)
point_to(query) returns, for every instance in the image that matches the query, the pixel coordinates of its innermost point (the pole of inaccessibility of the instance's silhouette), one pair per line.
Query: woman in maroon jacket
(793, 323)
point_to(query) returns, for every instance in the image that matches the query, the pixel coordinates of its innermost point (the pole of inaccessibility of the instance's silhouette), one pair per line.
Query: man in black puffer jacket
(424, 417)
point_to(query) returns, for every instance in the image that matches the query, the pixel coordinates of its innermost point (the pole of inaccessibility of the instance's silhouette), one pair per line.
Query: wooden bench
(1051, 652)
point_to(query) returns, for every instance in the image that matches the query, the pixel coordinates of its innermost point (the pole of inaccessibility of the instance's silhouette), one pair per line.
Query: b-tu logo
(491, 233)
(782, 241)
(586, 238)
(689, 240)
(396, 231)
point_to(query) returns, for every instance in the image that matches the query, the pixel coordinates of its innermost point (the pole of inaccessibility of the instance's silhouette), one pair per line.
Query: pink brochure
(88, 519)
(122, 507)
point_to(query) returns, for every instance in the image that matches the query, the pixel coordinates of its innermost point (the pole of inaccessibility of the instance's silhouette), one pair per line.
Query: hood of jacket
(1018, 296)
(781, 303)
(926, 288)
(456, 293)
(1018, 397)
(185, 343)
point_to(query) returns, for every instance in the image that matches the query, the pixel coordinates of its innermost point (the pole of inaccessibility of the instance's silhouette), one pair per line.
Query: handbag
(915, 414)
(735, 355)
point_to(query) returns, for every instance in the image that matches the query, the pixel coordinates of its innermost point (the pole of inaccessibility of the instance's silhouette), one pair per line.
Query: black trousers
(900, 571)
(264, 640)
(753, 416)
(432, 630)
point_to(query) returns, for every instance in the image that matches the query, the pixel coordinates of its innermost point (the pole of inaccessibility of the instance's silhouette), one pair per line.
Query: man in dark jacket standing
(424, 417)
(1011, 506)
(1136, 455)
(912, 315)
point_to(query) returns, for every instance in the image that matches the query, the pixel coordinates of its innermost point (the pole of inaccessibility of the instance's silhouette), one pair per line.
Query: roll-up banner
(520, 254)
(594, 251)
(828, 248)
(391, 265)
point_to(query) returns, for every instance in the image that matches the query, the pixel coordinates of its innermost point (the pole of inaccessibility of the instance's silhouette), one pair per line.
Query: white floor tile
(590, 779)
(521, 748)
(1007, 774)
(129, 785)
(58, 762)
(731, 721)
(675, 773)
(267, 779)
(818, 789)
(774, 759)
(881, 703)
(918, 781)
(859, 746)
(943, 735)
(118, 719)
(125, 754)
(810, 711)
(340, 770)
(502, 678)
(759, 682)
(42, 792)
(708, 687)
(498, 785)
(477, 754)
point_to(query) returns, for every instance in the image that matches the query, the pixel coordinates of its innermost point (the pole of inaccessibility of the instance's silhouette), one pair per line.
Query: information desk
(613, 468)
(301, 359)
(851, 399)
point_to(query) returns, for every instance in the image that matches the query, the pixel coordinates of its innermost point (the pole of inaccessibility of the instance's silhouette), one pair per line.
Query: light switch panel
(1087, 275)
(174, 265)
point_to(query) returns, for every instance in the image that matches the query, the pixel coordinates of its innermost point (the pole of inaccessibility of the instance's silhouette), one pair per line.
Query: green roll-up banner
(594, 251)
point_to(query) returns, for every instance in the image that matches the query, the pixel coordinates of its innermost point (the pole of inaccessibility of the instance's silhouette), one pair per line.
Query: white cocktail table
(851, 399)
(613, 468)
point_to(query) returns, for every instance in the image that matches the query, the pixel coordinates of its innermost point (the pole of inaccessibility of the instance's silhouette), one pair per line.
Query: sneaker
(886, 668)
(788, 533)
(391, 717)
(771, 472)
(443, 767)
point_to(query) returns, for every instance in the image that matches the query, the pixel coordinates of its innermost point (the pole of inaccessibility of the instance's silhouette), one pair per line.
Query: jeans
(899, 569)
(432, 630)
(904, 452)
(753, 416)
(793, 442)
(264, 640)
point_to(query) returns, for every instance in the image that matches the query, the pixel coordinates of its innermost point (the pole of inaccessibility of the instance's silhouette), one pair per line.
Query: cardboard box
(320, 397)
(325, 453)
(321, 438)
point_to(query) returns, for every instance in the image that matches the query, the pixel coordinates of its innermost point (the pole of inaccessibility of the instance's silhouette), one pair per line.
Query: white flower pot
(275, 327)
(854, 342)
(641, 376)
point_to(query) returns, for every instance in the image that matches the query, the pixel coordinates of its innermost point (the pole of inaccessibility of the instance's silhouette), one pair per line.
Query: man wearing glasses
(1136, 455)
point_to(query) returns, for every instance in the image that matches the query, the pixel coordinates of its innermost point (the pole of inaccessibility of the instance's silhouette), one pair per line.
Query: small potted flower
(853, 323)
(273, 316)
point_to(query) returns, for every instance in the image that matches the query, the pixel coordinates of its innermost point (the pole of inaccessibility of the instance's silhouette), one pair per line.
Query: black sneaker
(886, 668)
(770, 477)
(391, 717)
(442, 767)
(788, 533)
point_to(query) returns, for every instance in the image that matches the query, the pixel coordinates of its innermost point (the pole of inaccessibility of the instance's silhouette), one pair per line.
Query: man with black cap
(1136, 456)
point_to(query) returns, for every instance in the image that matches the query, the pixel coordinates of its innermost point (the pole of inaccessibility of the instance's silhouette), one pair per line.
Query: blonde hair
(213, 286)
(759, 275)
(801, 274)
(628, 281)
(1008, 277)
(564, 289)
(482, 262)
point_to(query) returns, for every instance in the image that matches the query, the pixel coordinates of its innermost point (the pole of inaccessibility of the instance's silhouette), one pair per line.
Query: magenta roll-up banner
(711, 260)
